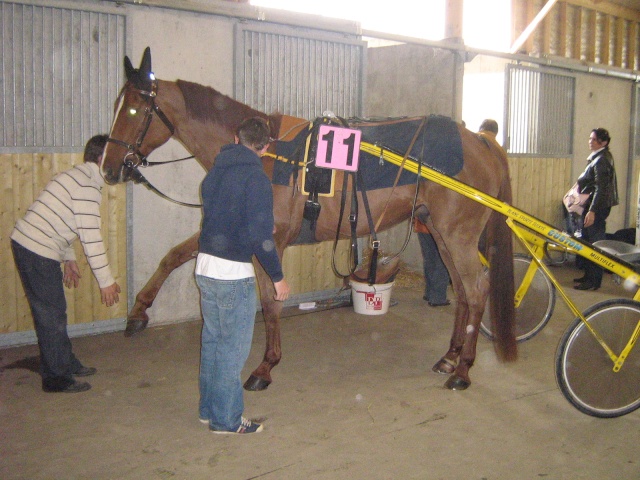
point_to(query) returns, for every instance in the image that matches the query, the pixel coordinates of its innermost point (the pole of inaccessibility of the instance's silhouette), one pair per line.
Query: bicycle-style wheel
(584, 370)
(536, 306)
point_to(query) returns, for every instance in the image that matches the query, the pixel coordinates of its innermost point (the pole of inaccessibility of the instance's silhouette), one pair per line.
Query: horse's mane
(208, 105)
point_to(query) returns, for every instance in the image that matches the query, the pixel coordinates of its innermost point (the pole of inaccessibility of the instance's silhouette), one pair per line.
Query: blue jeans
(42, 281)
(435, 272)
(228, 311)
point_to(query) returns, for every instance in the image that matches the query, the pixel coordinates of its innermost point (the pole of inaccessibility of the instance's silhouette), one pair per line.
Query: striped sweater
(68, 208)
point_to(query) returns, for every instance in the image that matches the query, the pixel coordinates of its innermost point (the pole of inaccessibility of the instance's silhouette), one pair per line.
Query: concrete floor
(353, 398)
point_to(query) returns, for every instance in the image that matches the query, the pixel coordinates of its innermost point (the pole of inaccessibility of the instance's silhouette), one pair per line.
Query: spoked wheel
(584, 370)
(536, 306)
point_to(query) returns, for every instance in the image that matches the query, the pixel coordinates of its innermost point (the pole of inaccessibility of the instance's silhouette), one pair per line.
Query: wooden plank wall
(307, 268)
(23, 177)
(634, 202)
(538, 187)
(539, 184)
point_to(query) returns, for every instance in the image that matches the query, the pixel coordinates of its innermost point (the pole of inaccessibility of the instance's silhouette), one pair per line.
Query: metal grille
(298, 75)
(540, 112)
(61, 70)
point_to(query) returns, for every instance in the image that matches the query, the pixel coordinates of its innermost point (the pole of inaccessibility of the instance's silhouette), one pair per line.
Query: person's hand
(72, 275)
(282, 290)
(589, 218)
(110, 294)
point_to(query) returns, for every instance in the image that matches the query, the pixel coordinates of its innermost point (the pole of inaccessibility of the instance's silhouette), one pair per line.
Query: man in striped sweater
(68, 208)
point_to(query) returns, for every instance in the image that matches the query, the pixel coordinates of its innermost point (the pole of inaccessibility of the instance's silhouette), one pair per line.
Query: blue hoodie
(237, 202)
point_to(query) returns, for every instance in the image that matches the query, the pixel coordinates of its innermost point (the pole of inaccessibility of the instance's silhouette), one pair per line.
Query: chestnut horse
(149, 111)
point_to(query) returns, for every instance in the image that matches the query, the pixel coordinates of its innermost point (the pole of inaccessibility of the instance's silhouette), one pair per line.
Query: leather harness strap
(395, 183)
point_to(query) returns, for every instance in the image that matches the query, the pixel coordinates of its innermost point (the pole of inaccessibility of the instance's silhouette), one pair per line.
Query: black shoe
(587, 285)
(85, 372)
(443, 304)
(581, 279)
(73, 387)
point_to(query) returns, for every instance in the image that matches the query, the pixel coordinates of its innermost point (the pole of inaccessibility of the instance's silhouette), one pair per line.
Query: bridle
(134, 158)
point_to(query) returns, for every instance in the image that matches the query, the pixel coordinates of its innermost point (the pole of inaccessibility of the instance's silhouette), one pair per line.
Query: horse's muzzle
(110, 176)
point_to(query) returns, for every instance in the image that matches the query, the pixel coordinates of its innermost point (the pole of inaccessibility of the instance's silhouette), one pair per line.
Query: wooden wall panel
(23, 177)
(634, 204)
(307, 268)
(538, 187)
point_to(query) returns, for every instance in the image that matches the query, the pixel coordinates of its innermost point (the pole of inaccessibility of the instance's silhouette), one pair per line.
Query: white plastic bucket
(371, 299)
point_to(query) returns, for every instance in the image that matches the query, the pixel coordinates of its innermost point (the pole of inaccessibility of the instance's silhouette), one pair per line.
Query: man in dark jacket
(599, 180)
(237, 223)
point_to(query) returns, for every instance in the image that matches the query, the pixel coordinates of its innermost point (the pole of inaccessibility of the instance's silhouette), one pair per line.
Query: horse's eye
(132, 112)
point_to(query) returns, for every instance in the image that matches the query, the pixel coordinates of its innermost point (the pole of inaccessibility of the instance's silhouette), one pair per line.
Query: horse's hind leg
(138, 319)
(460, 380)
(448, 363)
(462, 348)
(471, 286)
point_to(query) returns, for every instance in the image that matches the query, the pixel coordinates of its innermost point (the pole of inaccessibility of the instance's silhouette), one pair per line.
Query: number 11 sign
(338, 148)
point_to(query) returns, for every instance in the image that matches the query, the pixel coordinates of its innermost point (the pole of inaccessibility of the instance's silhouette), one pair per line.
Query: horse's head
(135, 131)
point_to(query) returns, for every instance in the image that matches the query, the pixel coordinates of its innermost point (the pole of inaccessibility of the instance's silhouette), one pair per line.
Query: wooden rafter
(527, 32)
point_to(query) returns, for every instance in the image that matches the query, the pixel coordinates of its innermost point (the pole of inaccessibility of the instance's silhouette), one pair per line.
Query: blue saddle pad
(437, 145)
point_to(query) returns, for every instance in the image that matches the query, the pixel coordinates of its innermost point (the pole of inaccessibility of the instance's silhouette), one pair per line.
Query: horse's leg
(138, 319)
(261, 377)
(471, 287)
(466, 334)
(448, 363)
(475, 286)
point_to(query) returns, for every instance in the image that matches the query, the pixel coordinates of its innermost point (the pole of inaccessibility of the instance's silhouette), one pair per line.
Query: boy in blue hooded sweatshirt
(237, 223)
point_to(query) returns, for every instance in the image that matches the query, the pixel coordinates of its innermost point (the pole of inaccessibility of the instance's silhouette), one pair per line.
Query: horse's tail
(500, 255)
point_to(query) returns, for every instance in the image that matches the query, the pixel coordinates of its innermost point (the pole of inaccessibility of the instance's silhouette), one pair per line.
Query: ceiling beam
(609, 8)
(526, 33)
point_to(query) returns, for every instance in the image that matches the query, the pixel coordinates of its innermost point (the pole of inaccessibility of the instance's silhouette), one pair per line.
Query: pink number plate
(338, 148)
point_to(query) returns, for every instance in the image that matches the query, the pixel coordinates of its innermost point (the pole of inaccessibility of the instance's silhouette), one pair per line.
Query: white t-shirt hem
(223, 269)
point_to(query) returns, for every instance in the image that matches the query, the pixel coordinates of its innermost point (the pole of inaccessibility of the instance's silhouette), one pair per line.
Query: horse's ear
(145, 63)
(128, 69)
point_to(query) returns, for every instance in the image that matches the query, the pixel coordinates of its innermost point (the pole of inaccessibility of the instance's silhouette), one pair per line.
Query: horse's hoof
(256, 384)
(135, 326)
(444, 367)
(457, 383)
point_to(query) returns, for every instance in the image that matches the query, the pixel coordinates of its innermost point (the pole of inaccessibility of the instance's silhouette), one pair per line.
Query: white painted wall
(605, 102)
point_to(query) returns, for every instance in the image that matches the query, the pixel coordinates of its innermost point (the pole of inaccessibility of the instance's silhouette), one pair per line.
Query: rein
(142, 180)
(133, 151)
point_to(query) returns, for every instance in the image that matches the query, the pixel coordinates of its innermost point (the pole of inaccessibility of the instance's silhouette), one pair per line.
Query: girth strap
(375, 244)
(353, 220)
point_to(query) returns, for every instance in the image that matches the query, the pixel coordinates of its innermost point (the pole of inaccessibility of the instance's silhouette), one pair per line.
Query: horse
(148, 111)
